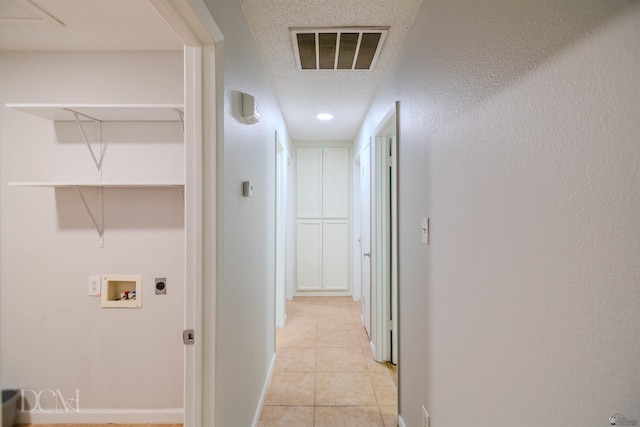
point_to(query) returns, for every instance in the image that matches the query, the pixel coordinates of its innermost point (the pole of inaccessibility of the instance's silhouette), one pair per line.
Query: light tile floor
(325, 374)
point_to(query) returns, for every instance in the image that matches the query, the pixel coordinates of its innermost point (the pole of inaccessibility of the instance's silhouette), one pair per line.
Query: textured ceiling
(303, 94)
(135, 25)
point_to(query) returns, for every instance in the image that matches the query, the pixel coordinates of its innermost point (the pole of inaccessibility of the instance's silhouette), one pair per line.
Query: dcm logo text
(49, 400)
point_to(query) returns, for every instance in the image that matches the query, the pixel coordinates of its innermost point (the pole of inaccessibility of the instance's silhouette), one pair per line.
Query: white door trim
(384, 277)
(280, 231)
(195, 27)
(366, 236)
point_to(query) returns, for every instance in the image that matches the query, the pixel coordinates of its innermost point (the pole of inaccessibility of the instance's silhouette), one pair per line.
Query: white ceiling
(345, 94)
(28, 25)
(83, 25)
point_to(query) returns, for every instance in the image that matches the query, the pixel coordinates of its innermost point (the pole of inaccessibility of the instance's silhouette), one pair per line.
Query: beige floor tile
(286, 416)
(334, 310)
(298, 310)
(324, 359)
(340, 359)
(296, 359)
(393, 369)
(338, 338)
(364, 342)
(389, 415)
(385, 389)
(362, 332)
(305, 300)
(348, 416)
(335, 300)
(295, 338)
(344, 389)
(363, 336)
(299, 302)
(301, 322)
(340, 321)
(291, 388)
(373, 366)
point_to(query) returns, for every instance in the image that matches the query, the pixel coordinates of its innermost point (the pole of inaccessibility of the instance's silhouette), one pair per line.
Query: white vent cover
(355, 48)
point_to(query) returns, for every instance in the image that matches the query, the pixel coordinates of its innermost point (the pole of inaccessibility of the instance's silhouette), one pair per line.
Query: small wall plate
(161, 285)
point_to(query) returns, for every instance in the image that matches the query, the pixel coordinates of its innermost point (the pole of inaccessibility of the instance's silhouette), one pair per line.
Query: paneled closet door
(309, 255)
(335, 183)
(309, 183)
(335, 255)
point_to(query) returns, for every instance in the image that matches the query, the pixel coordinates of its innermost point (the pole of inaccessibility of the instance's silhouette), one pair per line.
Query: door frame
(193, 24)
(281, 219)
(364, 164)
(384, 239)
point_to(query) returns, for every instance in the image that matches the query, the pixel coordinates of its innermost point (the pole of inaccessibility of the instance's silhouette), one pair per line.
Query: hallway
(325, 374)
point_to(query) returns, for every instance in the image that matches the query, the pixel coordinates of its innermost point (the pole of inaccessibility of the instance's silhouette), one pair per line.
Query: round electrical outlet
(161, 286)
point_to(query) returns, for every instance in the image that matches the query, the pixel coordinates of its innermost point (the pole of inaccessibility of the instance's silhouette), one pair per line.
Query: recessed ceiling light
(324, 116)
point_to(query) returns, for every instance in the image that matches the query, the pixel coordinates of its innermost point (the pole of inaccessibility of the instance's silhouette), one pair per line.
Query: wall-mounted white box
(121, 290)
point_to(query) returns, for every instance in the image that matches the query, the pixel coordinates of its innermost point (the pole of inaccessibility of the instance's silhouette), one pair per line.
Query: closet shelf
(97, 214)
(104, 112)
(95, 184)
(83, 113)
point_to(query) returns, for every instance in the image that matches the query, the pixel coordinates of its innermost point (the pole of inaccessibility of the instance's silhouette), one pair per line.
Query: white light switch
(424, 230)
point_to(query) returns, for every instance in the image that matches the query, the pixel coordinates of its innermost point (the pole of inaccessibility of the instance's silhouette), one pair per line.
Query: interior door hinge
(389, 161)
(390, 325)
(189, 336)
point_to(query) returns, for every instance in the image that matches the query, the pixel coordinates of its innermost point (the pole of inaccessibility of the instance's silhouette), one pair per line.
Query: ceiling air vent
(355, 48)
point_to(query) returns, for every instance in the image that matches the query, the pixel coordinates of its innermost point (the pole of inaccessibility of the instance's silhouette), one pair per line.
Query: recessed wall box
(121, 291)
(250, 109)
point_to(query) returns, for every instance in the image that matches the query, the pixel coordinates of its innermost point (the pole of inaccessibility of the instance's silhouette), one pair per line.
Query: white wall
(245, 339)
(53, 334)
(519, 136)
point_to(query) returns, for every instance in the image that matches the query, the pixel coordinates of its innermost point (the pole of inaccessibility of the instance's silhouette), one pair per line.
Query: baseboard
(263, 395)
(401, 422)
(103, 416)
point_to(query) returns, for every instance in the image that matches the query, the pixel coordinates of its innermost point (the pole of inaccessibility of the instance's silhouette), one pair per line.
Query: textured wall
(519, 139)
(245, 319)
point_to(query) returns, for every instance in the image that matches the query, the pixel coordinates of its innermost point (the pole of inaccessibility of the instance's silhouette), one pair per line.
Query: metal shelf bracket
(181, 115)
(98, 217)
(96, 159)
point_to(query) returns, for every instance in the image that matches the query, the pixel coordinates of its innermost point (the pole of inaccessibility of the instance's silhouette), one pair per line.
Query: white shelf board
(95, 184)
(104, 112)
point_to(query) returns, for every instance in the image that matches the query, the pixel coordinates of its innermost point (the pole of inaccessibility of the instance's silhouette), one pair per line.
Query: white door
(393, 195)
(335, 255)
(309, 255)
(385, 269)
(323, 224)
(309, 183)
(365, 234)
(335, 183)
